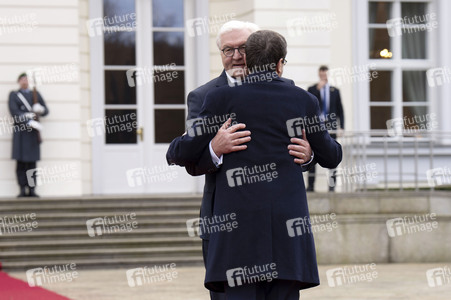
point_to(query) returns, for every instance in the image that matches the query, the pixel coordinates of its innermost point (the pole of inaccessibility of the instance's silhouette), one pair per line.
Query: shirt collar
(230, 78)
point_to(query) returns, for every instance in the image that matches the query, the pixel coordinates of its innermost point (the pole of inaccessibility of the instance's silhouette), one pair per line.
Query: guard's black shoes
(22, 192)
(33, 193)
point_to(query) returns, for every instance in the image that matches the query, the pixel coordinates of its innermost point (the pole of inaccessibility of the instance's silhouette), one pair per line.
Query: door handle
(140, 133)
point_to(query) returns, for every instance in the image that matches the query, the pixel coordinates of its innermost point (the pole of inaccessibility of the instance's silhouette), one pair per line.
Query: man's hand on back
(228, 139)
(301, 150)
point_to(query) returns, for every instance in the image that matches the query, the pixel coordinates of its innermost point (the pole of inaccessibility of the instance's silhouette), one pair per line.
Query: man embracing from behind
(270, 254)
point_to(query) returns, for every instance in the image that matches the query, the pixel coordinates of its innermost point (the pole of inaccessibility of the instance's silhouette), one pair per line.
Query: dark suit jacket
(335, 106)
(263, 205)
(25, 142)
(203, 164)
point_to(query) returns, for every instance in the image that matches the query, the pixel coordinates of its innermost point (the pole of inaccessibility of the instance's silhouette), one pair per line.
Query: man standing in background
(26, 143)
(332, 112)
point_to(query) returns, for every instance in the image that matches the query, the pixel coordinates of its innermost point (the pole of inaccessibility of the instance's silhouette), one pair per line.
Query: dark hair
(323, 68)
(21, 75)
(263, 48)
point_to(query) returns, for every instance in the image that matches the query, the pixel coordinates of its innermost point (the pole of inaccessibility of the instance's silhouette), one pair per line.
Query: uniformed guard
(26, 106)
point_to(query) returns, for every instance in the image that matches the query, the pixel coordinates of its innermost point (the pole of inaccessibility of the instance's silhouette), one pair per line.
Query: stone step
(165, 216)
(73, 234)
(100, 253)
(158, 228)
(92, 263)
(86, 204)
(98, 200)
(61, 236)
(112, 213)
(61, 216)
(106, 199)
(52, 224)
(14, 208)
(99, 241)
(162, 237)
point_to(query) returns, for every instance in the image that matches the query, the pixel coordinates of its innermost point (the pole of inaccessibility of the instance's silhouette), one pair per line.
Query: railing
(384, 160)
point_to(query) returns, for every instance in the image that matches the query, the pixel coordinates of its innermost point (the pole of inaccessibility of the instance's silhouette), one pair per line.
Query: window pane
(379, 116)
(415, 117)
(380, 87)
(120, 126)
(117, 90)
(413, 86)
(379, 12)
(117, 10)
(379, 40)
(119, 48)
(169, 124)
(414, 43)
(413, 12)
(167, 13)
(169, 87)
(168, 48)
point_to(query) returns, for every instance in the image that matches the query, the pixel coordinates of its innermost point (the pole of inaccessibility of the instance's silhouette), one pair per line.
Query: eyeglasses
(231, 51)
(284, 61)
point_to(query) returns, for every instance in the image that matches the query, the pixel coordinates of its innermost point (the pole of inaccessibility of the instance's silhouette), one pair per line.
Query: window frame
(396, 64)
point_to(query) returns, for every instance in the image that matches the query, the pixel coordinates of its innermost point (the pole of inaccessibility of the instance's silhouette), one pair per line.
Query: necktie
(324, 99)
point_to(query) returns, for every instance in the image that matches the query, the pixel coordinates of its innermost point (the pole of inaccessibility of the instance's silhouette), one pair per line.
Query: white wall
(239, 10)
(85, 98)
(53, 40)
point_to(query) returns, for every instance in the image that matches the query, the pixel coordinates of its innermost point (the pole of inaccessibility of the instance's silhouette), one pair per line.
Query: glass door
(139, 96)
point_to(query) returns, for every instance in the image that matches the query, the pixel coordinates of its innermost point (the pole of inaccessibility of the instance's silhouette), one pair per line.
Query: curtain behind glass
(414, 47)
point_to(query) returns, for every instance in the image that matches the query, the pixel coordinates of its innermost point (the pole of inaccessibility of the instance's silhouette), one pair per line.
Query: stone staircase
(161, 237)
(61, 234)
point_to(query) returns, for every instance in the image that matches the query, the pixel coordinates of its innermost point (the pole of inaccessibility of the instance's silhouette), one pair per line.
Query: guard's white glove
(30, 115)
(35, 125)
(38, 108)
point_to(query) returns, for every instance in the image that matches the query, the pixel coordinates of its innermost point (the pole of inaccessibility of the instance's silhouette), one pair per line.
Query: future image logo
(438, 276)
(411, 224)
(109, 225)
(438, 176)
(314, 223)
(147, 275)
(50, 275)
(247, 175)
(438, 76)
(351, 274)
(247, 275)
(206, 25)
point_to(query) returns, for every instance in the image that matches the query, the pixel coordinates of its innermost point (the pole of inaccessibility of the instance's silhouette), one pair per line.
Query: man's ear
(279, 68)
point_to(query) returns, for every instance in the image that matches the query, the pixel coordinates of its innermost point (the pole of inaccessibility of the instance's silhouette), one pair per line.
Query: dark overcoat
(204, 163)
(263, 206)
(26, 147)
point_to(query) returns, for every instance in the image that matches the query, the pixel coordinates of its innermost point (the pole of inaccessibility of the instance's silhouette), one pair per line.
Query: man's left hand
(300, 149)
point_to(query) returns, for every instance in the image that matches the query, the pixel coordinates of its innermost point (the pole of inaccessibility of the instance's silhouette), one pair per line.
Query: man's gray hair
(235, 25)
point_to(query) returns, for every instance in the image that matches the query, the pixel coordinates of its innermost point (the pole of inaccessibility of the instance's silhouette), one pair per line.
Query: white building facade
(115, 76)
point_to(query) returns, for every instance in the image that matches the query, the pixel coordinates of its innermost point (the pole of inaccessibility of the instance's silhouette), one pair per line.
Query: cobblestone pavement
(391, 281)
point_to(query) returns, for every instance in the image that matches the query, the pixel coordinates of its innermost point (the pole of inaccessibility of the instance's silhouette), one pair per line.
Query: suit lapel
(222, 79)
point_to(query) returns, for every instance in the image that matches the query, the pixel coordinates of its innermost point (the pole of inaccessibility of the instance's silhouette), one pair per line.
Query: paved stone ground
(394, 281)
